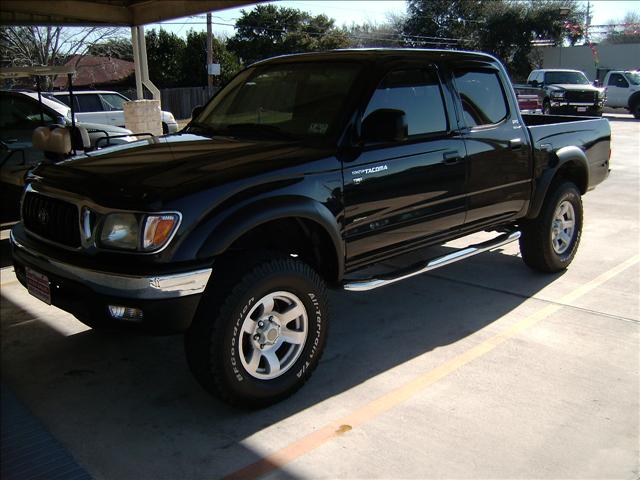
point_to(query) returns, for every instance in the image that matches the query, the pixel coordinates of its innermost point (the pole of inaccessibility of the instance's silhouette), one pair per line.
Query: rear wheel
(550, 241)
(635, 110)
(260, 331)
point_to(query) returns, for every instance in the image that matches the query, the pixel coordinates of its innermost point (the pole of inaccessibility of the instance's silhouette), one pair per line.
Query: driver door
(400, 193)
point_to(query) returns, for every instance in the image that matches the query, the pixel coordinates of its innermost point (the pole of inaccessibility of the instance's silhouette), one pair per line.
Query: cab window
(89, 103)
(483, 98)
(112, 101)
(418, 94)
(18, 113)
(617, 80)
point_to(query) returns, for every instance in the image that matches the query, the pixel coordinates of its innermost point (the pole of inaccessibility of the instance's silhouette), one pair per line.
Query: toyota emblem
(43, 216)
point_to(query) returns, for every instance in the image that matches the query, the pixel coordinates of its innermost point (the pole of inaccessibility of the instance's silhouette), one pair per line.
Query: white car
(623, 90)
(103, 106)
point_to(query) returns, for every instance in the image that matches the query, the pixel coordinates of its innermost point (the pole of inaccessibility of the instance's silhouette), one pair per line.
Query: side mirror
(534, 83)
(596, 83)
(197, 110)
(385, 125)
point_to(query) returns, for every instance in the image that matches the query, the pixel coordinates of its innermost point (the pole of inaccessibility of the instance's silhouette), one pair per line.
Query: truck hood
(149, 173)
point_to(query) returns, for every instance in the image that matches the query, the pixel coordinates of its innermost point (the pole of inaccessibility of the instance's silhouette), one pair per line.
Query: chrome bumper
(155, 287)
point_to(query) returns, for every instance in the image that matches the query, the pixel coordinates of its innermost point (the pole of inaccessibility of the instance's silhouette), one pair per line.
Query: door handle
(515, 143)
(451, 158)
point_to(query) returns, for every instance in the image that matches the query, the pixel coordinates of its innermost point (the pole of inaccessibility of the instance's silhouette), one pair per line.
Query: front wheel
(546, 107)
(550, 241)
(259, 333)
(635, 110)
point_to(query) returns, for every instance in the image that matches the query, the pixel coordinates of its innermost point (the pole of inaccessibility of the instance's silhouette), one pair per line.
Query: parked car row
(106, 107)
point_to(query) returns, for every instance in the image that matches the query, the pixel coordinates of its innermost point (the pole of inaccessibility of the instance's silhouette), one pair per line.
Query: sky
(347, 12)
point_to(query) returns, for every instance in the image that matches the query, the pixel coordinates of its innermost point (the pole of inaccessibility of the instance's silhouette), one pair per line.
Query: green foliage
(445, 18)
(269, 30)
(164, 55)
(504, 28)
(195, 59)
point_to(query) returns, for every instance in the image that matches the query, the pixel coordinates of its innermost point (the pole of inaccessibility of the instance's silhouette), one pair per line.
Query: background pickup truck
(623, 90)
(567, 92)
(297, 175)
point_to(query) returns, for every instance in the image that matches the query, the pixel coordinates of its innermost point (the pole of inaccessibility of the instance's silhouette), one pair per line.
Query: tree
(627, 29)
(444, 19)
(269, 30)
(375, 35)
(164, 55)
(25, 46)
(114, 47)
(194, 60)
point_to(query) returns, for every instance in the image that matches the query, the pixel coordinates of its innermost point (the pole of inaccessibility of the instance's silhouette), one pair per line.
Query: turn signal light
(158, 229)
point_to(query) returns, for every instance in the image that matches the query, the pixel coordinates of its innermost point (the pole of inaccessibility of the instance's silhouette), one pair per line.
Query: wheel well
(294, 236)
(634, 99)
(575, 173)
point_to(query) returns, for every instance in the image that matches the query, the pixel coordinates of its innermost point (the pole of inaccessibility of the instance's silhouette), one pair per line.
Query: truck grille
(52, 219)
(581, 96)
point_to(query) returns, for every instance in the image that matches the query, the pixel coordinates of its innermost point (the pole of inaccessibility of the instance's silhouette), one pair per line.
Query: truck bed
(553, 133)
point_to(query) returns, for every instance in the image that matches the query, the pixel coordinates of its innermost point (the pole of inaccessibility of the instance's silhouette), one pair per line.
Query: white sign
(213, 69)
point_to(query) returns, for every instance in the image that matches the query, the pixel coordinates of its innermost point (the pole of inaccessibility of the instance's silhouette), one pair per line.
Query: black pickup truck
(567, 92)
(297, 175)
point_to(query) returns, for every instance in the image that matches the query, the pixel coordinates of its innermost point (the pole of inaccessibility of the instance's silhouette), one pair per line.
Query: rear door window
(483, 98)
(89, 103)
(418, 94)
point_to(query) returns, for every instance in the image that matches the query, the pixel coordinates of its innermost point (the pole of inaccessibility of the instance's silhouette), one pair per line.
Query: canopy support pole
(141, 66)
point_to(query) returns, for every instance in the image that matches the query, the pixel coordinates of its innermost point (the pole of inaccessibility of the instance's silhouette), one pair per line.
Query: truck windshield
(573, 78)
(633, 77)
(295, 100)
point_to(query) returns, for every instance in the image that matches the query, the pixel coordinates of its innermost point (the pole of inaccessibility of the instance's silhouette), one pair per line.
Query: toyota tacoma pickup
(300, 173)
(567, 92)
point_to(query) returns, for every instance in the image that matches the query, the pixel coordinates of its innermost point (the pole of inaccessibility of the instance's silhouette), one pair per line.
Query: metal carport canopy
(106, 12)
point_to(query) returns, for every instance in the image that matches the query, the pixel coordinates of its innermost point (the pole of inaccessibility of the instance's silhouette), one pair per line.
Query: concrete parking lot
(482, 369)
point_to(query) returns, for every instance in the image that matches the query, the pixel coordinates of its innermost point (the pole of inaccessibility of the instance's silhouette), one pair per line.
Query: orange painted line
(386, 402)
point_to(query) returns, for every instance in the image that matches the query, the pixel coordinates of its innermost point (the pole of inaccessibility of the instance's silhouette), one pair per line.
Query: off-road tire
(536, 244)
(635, 110)
(546, 108)
(212, 341)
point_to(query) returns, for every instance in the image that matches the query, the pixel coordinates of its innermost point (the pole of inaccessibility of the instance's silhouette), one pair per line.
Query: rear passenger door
(399, 193)
(498, 153)
(90, 109)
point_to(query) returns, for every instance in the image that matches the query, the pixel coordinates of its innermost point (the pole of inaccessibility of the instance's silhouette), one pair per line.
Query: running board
(412, 271)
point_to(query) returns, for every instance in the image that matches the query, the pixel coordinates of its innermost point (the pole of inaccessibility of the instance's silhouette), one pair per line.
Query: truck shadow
(105, 394)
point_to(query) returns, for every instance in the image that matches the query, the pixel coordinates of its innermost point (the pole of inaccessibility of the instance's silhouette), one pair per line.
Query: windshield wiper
(259, 129)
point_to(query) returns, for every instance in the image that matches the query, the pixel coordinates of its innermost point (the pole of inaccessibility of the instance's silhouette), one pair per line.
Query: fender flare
(260, 212)
(562, 157)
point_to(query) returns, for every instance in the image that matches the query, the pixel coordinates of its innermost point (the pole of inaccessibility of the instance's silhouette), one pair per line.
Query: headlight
(557, 94)
(131, 231)
(120, 230)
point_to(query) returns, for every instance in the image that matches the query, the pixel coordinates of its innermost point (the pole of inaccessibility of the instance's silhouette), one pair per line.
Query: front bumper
(168, 301)
(576, 108)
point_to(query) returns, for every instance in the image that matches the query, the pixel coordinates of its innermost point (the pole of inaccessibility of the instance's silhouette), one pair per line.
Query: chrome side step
(412, 271)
